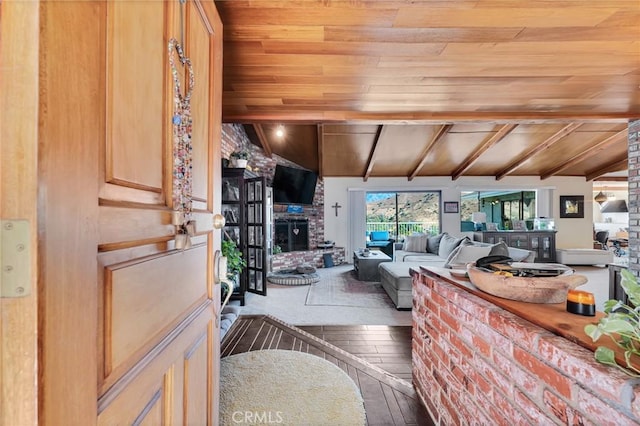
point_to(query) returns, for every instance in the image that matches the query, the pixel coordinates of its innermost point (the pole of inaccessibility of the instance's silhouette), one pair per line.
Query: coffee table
(366, 267)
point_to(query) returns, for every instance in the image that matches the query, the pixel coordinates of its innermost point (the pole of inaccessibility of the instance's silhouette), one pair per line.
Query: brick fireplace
(234, 137)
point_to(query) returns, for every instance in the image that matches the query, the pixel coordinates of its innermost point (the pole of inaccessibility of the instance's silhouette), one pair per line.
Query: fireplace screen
(292, 234)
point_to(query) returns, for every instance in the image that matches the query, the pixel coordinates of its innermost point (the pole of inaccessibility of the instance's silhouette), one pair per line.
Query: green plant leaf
(629, 284)
(609, 325)
(622, 324)
(611, 305)
(605, 355)
(627, 357)
(592, 331)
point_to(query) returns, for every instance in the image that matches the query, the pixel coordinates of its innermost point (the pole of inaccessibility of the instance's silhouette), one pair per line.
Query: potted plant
(235, 262)
(239, 158)
(622, 325)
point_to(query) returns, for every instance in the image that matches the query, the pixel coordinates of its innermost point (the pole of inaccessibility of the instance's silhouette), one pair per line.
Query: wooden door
(127, 321)
(18, 196)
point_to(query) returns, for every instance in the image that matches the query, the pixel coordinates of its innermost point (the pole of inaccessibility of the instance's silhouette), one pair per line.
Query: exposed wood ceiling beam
(443, 130)
(320, 131)
(615, 166)
(374, 152)
(494, 139)
(264, 141)
(595, 149)
(537, 149)
(611, 179)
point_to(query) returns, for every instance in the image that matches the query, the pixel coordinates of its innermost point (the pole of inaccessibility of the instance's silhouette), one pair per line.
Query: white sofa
(442, 250)
(438, 257)
(584, 256)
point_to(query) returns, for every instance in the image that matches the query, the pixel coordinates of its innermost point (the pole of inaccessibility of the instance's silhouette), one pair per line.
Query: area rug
(339, 286)
(287, 388)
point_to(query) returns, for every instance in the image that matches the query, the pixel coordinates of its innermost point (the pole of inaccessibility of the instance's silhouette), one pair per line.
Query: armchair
(382, 241)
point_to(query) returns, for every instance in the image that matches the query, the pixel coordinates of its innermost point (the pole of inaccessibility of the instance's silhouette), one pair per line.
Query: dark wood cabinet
(543, 243)
(244, 206)
(615, 288)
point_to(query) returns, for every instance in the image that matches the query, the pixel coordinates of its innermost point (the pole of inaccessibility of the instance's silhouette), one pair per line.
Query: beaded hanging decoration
(182, 126)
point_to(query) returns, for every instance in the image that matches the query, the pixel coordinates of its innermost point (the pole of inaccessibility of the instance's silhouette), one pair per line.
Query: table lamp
(478, 218)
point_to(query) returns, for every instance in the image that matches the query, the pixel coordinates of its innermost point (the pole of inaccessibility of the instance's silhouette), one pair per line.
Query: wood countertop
(551, 317)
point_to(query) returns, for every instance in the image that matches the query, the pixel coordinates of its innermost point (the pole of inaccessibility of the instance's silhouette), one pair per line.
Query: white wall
(572, 233)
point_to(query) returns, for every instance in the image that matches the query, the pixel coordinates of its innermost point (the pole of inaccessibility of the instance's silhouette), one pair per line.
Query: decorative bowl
(527, 289)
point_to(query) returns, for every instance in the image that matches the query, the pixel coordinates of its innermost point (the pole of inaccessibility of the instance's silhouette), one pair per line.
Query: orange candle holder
(581, 302)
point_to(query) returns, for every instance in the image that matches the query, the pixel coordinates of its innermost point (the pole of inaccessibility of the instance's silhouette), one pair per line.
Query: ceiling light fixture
(280, 131)
(600, 198)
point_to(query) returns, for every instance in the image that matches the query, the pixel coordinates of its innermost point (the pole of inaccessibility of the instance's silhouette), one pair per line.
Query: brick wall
(234, 137)
(290, 260)
(634, 196)
(475, 363)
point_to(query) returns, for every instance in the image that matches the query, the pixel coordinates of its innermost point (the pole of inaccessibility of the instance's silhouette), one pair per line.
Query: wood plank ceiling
(378, 88)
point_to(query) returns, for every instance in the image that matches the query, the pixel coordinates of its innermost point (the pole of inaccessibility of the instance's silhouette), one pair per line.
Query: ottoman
(396, 281)
(584, 256)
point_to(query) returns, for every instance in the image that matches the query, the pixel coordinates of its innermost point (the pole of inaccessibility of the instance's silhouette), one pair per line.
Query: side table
(366, 267)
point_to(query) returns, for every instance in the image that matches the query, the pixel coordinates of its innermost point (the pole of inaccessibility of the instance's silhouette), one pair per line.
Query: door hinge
(15, 258)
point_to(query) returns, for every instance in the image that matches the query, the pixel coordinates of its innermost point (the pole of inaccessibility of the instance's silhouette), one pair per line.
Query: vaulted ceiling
(454, 88)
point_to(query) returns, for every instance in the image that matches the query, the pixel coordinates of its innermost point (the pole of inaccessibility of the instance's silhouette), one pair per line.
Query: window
(501, 207)
(403, 213)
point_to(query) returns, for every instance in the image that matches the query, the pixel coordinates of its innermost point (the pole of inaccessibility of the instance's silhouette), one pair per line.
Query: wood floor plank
(393, 406)
(387, 347)
(375, 403)
(389, 400)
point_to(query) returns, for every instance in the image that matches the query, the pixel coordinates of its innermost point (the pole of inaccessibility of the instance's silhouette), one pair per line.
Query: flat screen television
(293, 186)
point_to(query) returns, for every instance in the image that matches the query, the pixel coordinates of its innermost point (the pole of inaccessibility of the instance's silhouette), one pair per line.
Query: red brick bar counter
(477, 360)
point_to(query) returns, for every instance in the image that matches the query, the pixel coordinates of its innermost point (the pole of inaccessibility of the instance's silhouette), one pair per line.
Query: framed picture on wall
(451, 207)
(572, 206)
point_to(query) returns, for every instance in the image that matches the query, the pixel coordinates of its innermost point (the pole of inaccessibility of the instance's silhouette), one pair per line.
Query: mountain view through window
(403, 213)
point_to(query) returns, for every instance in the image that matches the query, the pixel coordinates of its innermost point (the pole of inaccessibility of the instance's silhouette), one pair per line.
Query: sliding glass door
(403, 213)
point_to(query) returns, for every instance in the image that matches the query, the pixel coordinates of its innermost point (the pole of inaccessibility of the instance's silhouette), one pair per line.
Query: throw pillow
(455, 251)
(447, 244)
(433, 243)
(465, 253)
(379, 235)
(416, 243)
(499, 249)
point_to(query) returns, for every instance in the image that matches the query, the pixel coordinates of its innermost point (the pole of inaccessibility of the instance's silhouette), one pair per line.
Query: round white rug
(287, 388)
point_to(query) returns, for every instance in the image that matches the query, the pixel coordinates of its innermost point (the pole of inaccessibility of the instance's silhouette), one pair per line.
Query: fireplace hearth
(292, 234)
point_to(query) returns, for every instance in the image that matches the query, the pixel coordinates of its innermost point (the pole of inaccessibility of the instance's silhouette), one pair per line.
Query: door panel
(163, 289)
(197, 359)
(135, 100)
(200, 46)
(161, 389)
(153, 413)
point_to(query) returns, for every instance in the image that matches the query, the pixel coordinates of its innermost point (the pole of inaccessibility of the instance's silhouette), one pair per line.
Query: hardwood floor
(388, 347)
(388, 400)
